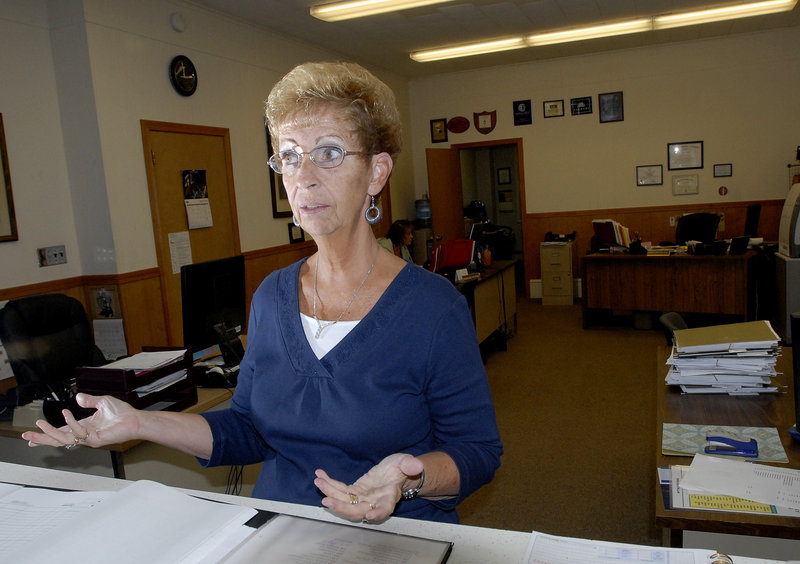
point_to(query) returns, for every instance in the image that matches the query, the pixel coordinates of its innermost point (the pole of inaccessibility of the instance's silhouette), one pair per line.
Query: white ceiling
(386, 40)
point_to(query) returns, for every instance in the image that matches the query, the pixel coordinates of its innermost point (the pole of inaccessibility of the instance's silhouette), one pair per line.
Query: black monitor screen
(212, 292)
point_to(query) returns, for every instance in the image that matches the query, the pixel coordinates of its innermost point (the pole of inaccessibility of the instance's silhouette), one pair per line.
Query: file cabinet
(557, 261)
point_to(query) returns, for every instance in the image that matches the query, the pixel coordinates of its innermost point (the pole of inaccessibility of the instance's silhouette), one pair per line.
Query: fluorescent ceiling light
(467, 50)
(605, 30)
(337, 11)
(723, 13)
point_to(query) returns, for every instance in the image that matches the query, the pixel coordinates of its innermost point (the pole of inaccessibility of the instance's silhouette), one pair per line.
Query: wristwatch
(412, 493)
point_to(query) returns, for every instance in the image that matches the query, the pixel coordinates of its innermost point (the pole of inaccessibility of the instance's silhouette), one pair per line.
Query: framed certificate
(649, 175)
(685, 155)
(723, 169)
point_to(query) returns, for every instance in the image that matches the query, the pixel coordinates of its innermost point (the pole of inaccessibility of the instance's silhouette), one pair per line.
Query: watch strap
(412, 493)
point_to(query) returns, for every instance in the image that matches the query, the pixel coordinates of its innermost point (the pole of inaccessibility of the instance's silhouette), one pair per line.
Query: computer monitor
(751, 220)
(213, 302)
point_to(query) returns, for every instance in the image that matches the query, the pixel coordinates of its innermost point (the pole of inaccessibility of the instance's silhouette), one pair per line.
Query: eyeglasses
(324, 156)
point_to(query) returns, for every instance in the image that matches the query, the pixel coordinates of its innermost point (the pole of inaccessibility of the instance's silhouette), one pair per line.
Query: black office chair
(751, 220)
(671, 322)
(697, 227)
(46, 337)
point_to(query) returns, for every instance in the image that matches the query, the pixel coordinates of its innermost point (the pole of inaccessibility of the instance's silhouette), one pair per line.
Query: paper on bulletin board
(198, 213)
(195, 197)
(180, 250)
(109, 336)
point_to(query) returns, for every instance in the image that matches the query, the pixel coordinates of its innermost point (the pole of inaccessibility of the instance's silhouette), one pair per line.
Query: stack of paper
(737, 359)
(610, 232)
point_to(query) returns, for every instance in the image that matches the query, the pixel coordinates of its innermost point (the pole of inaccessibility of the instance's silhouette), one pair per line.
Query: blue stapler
(721, 444)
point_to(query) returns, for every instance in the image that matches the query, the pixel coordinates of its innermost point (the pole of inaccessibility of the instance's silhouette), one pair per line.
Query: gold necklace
(322, 325)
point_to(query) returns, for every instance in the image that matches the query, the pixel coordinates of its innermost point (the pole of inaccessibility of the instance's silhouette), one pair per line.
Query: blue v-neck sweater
(408, 378)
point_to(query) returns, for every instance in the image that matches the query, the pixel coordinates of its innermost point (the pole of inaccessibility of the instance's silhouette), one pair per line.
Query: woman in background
(335, 415)
(400, 235)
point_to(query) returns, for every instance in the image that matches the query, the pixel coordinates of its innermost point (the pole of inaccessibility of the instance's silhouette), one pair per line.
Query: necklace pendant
(320, 327)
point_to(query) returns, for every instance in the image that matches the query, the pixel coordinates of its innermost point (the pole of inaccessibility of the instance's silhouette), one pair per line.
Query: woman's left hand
(374, 495)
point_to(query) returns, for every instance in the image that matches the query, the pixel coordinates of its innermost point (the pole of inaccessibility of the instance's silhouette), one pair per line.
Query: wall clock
(183, 75)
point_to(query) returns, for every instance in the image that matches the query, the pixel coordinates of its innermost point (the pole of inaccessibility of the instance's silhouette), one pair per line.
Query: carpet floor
(576, 411)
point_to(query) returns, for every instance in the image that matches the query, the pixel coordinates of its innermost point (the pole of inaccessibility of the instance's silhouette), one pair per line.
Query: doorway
(491, 172)
(171, 151)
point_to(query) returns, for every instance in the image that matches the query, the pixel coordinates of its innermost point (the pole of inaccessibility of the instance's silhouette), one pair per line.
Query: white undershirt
(330, 336)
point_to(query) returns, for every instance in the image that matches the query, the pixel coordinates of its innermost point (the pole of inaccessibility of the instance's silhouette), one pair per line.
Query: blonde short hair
(366, 101)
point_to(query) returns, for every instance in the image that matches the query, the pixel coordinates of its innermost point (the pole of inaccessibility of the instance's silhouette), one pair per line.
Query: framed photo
(522, 112)
(685, 155)
(581, 106)
(439, 130)
(649, 175)
(611, 109)
(8, 221)
(685, 184)
(296, 234)
(723, 169)
(553, 108)
(280, 200)
(504, 176)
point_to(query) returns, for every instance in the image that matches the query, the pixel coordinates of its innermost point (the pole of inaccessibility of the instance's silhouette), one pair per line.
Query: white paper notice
(756, 482)
(109, 336)
(198, 213)
(180, 250)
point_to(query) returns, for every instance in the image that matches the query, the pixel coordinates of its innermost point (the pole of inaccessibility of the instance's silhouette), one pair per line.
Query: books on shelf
(610, 232)
(736, 359)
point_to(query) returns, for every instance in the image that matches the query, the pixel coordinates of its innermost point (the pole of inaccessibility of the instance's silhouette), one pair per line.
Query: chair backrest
(751, 220)
(46, 337)
(672, 321)
(696, 227)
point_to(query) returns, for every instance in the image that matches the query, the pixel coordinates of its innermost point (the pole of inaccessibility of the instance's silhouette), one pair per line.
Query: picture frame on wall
(504, 176)
(439, 130)
(296, 233)
(649, 175)
(280, 199)
(725, 169)
(8, 220)
(685, 155)
(581, 106)
(610, 107)
(553, 108)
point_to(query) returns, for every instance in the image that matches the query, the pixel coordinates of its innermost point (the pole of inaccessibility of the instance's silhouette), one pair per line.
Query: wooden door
(444, 191)
(169, 150)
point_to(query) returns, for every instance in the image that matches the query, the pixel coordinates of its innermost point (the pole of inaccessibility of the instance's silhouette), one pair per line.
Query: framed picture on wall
(685, 155)
(723, 169)
(8, 221)
(649, 175)
(504, 176)
(439, 130)
(280, 200)
(296, 233)
(611, 109)
(553, 108)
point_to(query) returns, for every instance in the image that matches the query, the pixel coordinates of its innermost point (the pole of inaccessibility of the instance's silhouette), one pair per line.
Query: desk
(206, 399)
(471, 545)
(683, 283)
(493, 299)
(762, 411)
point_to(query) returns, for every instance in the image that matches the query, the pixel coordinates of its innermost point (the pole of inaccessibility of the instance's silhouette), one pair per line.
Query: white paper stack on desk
(735, 359)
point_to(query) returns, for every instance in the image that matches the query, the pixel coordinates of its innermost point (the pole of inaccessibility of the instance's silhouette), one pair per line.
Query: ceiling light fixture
(337, 11)
(606, 30)
(471, 49)
(610, 29)
(723, 13)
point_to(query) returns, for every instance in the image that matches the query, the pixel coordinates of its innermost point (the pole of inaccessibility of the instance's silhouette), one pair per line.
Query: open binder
(169, 386)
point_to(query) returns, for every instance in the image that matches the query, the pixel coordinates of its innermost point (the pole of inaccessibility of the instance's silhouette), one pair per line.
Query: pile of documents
(735, 359)
(610, 232)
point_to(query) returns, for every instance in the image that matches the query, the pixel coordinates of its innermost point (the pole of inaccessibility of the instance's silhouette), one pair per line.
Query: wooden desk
(761, 411)
(206, 399)
(494, 299)
(682, 283)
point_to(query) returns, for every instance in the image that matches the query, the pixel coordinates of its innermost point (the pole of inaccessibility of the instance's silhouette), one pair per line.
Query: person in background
(334, 415)
(400, 235)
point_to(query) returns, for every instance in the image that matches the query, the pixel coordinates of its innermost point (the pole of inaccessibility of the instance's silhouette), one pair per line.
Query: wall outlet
(672, 221)
(48, 256)
(721, 226)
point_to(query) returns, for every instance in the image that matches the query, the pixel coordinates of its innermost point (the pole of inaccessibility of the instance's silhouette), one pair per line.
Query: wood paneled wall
(652, 224)
(140, 293)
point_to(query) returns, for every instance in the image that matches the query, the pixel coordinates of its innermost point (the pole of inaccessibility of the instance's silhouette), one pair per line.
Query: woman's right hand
(114, 422)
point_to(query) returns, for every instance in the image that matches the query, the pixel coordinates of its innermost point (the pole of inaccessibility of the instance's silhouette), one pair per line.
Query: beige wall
(735, 94)
(79, 75)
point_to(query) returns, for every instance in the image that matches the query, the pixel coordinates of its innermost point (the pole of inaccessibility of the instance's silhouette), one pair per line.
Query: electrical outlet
(672, 221)
(48, 256)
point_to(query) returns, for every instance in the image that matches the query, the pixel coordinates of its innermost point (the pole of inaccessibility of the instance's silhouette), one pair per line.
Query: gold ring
(75, 442)
(372, 506)
(83, 438)
(353, 498)
(365, 520)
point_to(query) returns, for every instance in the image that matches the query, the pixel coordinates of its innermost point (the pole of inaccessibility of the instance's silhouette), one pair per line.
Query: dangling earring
(374, 213)
(295, 221)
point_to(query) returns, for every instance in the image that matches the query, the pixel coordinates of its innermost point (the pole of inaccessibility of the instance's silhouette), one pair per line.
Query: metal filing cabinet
(556, 258)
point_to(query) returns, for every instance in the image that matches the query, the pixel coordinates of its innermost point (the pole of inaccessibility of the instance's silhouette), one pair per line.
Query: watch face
(183, 75)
